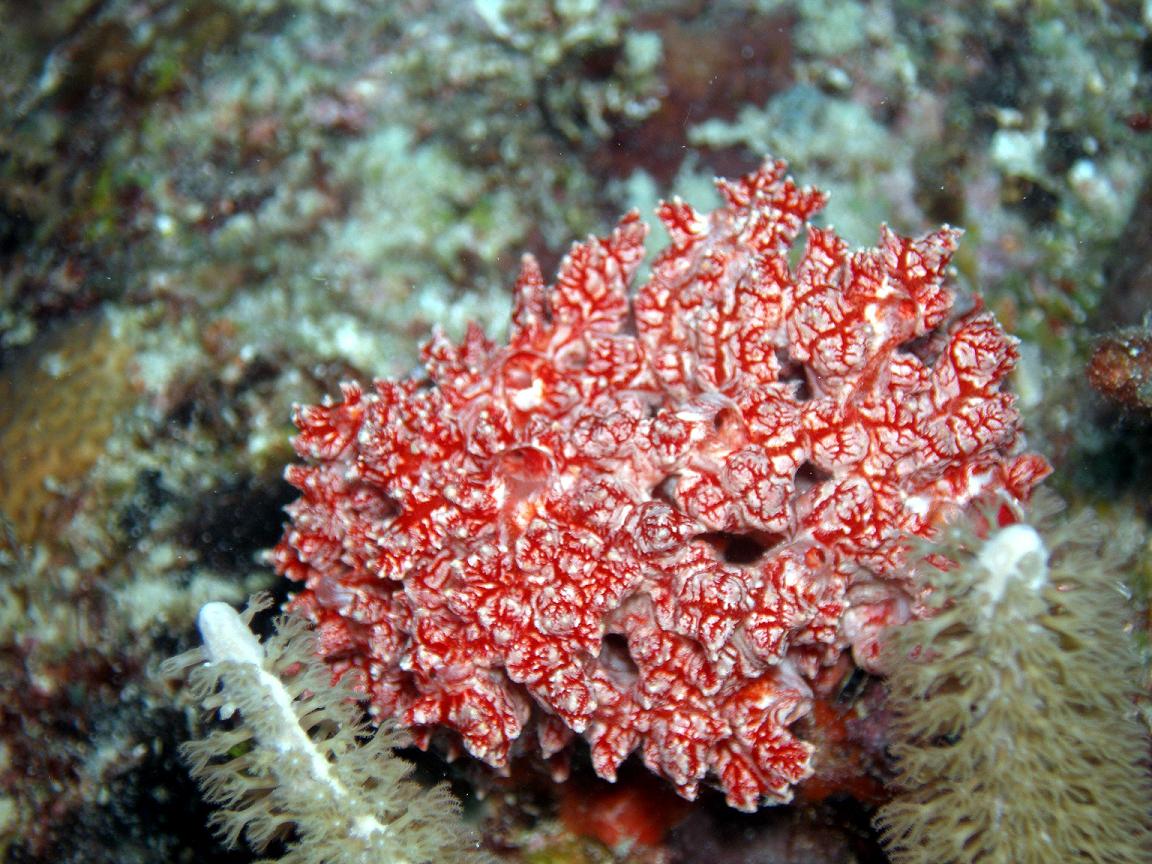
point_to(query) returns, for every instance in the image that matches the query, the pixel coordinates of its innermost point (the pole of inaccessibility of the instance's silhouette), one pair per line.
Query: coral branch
(1016, 732)
(293, 762)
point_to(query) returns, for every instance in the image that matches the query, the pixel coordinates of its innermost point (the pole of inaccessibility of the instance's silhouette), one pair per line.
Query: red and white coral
(651, 519)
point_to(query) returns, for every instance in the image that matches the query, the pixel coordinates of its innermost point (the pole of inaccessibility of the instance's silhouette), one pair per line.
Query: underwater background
(210, 211)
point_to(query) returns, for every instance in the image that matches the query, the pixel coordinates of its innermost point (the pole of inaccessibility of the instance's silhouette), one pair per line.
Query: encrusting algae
(59, 401)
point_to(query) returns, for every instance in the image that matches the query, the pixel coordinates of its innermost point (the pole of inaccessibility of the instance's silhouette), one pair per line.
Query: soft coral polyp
(655, 514)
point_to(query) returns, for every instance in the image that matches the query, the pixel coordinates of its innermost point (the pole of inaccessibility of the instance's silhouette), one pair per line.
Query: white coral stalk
(298, 764)
(1015, 730)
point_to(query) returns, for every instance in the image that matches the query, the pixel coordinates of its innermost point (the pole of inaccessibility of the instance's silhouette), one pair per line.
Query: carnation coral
(651, 518)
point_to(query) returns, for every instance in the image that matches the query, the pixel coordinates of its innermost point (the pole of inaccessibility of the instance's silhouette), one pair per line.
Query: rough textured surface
(651, 520)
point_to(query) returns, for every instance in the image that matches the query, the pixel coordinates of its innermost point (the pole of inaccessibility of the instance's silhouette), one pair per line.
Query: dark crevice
(809, 475)
(665, 490)
(795, 374)
(741, 549)
(616, 659)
